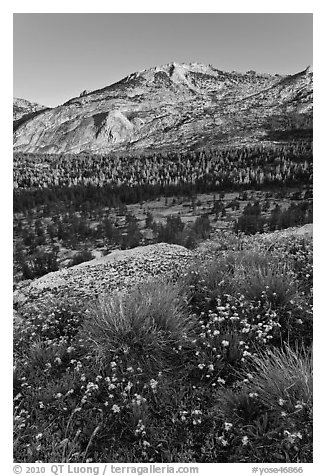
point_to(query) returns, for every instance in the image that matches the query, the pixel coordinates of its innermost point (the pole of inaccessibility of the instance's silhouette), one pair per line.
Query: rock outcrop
(117, 271)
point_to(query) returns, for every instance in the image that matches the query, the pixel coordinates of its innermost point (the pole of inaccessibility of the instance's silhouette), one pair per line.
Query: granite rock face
(21, 107)
(170, 106)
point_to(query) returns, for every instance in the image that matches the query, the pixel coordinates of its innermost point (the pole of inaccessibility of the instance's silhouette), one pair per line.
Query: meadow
(213, 364)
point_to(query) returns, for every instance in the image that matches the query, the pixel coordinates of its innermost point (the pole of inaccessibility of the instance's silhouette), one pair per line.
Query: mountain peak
(175, 105)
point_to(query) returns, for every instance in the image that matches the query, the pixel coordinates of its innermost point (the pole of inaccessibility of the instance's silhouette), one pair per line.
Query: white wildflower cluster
(292, 437)
(91, 389)
(153, 384)
(220, 330)
(138, 400)
(21, 419)
(196, 416)
(140, 429)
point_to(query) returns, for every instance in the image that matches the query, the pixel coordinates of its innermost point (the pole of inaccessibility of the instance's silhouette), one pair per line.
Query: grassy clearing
(213, 367)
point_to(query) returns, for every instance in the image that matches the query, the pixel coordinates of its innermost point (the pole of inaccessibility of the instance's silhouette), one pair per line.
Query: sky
(56, 56)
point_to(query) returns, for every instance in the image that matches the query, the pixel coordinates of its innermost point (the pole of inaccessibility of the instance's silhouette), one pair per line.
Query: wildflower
(116, 409)
(91, 386)
(138, 400)
(225, 343)
(281, 401)
(128, 387)
(140, 428)
(58, 361)
(228, 426)
(221, 380)
(153, 383)
(234, 318)
(245, 440)
(201, 366)
(291, 437)
(253, 394)
(223, 441)
(211, 367)
(41, 404)
(39, 436)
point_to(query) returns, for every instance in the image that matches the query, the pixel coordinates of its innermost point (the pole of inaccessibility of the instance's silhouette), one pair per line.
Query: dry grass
(144, 325)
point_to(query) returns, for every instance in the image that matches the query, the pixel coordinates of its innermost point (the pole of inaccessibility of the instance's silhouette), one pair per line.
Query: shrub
(257, 274)
(208, 281)
(283, 375)
(81, 258)
(144, 325)
(270, 416)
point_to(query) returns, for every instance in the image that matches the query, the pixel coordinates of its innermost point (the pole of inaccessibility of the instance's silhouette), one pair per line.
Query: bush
(81, 258)
(144, 325)
(258, 275)
(283, 375)
(270, 417)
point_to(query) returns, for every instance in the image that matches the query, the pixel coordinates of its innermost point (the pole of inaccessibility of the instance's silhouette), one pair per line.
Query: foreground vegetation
(213, 365)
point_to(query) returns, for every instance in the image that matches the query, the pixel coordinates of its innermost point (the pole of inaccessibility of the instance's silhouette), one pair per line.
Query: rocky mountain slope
(171, 106)
(21, 107)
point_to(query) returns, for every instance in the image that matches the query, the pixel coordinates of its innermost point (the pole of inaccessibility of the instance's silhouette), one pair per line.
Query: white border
(168, 6)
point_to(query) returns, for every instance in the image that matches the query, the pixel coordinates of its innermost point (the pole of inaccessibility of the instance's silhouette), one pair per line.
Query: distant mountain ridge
(177, 105)
(22, 107)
